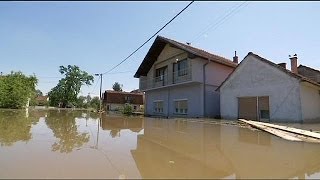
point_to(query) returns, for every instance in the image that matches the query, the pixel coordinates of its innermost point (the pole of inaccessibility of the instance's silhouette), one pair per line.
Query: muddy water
(75, 144)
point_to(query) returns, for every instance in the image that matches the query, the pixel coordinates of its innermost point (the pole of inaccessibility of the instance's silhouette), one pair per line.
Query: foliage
(15, 126)
(117, 87)
(81, 102)
(39, 93)
(127, 109)
(65, 129)
(15, 89)
(68, 88)
(95, 103)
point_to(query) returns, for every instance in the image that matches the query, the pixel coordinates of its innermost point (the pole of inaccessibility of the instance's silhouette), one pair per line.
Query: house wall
(116, 107)
(256, 78)
(310, 102)
(192, 92)
(215, 74)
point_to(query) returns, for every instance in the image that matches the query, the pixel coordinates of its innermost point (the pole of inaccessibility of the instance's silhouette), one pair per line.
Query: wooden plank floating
(288, 133)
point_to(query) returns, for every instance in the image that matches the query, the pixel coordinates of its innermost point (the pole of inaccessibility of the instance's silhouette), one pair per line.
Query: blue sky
(38, 37)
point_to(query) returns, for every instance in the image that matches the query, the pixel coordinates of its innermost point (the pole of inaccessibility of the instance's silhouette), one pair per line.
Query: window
(135, 107)
(181, 106)
(158, 106)
(160, 73)
(182, 67)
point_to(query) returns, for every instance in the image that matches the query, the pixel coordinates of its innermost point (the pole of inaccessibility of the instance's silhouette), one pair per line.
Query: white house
(259, 89)
(180, 80)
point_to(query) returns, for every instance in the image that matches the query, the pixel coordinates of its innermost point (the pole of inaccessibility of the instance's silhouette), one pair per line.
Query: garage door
(254, 108)
(247, 108)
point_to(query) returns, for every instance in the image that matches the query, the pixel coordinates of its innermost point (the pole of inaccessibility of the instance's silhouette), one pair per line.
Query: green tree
(127, 109)
(117, 87)
(68, 88)
(16, 89)
(39, 93)
(95, 103)
(82, 102)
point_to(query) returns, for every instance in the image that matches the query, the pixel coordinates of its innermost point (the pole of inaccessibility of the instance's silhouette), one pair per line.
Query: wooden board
(279, 133)
(293, 130)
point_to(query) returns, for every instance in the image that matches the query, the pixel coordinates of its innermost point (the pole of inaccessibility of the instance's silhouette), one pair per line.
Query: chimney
(235, 58)
(284, 65)
(294, 62)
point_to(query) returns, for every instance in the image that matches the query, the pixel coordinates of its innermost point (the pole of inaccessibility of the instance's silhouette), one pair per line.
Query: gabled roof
(159, 44)
(290, 73)
(117, 97)
(309, 72)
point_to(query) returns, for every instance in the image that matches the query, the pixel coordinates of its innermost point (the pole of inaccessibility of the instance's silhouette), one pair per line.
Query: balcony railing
(164, 80)
(182, 76)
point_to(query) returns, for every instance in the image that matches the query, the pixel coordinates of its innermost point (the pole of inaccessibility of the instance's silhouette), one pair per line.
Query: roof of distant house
(159, 44)
(119, 97)
(309, 72)
(41, 98)
(290, 73)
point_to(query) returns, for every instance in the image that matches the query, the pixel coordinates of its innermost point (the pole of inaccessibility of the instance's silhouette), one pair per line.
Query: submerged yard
(78, 144)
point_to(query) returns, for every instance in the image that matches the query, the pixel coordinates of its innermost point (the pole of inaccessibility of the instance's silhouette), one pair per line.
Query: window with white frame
(181, 106)
(158, 106)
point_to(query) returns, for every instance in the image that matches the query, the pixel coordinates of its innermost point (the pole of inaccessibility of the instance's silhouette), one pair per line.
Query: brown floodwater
(78, 144)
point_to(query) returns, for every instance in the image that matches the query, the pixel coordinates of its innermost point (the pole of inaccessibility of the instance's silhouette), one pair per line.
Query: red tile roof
(117, 97)
(159, 44)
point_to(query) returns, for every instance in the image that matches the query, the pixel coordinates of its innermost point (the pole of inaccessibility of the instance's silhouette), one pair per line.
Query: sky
(38, 37)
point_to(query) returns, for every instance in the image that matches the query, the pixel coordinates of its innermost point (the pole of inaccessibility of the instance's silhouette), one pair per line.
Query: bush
(127, 110)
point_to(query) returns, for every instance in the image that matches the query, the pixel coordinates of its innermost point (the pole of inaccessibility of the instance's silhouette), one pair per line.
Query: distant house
(116, 100)
(42, 100)
(180, 80)
(261, 90)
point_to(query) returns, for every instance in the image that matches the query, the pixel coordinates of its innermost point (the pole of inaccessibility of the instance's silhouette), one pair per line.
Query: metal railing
(182, 76)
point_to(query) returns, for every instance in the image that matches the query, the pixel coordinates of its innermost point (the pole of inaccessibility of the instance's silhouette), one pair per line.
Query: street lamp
(100, 90)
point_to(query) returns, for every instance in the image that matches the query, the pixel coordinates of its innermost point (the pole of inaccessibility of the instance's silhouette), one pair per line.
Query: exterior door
(247, 108)
(254, 108)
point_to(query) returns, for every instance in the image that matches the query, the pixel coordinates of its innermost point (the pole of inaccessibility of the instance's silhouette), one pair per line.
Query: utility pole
(100, 91)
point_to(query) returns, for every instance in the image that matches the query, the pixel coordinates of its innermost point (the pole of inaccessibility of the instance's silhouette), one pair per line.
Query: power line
(221, 20)
(149, 39)
(95, 85)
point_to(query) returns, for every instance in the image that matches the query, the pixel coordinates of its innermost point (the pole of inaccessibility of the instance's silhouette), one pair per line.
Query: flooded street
(77, 144)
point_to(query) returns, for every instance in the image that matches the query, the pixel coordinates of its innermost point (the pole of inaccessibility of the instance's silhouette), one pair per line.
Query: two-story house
(180, 80)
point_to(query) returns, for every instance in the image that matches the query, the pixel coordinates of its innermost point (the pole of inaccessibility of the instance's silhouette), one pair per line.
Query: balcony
(165, 80)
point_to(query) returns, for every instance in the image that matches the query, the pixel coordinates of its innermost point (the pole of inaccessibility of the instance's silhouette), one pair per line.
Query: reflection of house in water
(181, 149)
(261, 155)
(116, 124)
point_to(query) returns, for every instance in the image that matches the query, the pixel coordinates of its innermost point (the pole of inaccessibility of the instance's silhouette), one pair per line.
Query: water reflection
(64, 127)
(15, 126)
(182, 149)
(117, 123)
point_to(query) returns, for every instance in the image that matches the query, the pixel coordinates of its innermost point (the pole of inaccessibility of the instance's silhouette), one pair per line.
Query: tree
(39, 93)
(95, 103)
(68, 88)
(16, 89)
(117, 87)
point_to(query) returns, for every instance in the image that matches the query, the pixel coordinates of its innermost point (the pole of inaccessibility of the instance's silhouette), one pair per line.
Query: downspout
(204, 87)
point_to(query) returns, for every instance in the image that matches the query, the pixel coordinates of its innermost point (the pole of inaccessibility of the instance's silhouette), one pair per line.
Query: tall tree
(68, 88)
(117, 87)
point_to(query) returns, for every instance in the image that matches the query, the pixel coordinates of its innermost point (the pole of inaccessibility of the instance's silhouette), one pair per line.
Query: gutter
(204, 87)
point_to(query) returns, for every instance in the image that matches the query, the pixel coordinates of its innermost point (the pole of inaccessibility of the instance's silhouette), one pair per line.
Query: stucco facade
(289, 99)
